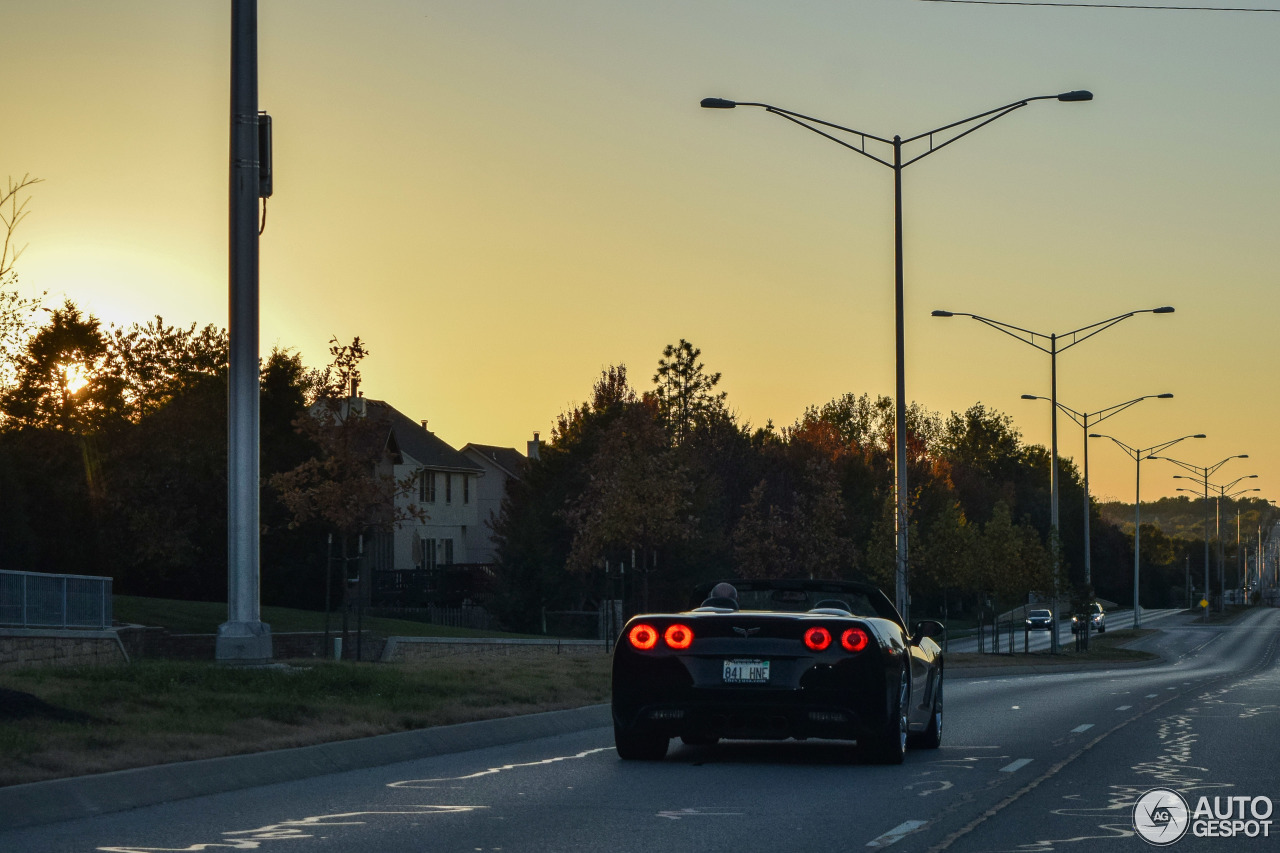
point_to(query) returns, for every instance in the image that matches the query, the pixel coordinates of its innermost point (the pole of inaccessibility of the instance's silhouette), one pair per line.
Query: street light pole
(1203, 473)
(1029, 337)
(1137, 455)
(1083, 420)
(958, 129)
(244, 637)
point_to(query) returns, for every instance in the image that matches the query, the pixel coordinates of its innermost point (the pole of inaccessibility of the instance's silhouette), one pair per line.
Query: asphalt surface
(1028, 763)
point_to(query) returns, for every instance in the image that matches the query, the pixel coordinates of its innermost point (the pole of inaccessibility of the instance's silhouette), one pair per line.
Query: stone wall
(23, 647)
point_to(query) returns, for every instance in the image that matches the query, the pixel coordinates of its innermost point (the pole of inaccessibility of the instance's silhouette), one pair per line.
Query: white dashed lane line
(1015, 766)
(1082, 728)
(899, 832)
(1124, 707)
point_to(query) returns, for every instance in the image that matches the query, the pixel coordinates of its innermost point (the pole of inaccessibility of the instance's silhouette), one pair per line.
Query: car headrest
(720, 603)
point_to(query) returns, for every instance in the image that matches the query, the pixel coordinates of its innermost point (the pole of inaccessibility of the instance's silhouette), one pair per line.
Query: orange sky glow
(504, 198)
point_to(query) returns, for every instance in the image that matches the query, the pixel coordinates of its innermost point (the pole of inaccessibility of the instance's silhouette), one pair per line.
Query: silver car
(1097, 619)
(1040, 620)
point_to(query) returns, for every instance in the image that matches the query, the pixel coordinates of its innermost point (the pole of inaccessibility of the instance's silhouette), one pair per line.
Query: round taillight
(817, 639)
(678, 636)
(854, 640)
(643, 636)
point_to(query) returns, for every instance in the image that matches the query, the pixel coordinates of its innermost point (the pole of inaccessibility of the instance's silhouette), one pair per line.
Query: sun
(74, 377)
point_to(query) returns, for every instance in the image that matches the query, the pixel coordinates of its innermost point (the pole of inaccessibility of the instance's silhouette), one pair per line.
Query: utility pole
(244, 637)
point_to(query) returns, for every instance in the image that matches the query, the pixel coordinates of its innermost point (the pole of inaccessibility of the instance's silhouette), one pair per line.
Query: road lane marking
(1152, 695)
(1015, 766)
(1124, 707)
(676, 814)
(898, 833)
(1083, 728)
(423, 783)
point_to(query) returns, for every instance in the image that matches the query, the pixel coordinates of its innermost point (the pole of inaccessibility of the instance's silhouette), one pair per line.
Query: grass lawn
(204, 617)
(57, 721)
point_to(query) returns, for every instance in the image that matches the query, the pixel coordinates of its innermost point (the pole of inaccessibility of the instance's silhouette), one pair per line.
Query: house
(405, 565)
(501, 465)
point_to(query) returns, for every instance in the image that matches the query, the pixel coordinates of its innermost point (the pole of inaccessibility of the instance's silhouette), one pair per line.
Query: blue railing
(34, 600)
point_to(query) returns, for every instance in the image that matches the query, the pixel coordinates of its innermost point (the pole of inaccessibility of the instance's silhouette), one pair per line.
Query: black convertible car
(779, 659)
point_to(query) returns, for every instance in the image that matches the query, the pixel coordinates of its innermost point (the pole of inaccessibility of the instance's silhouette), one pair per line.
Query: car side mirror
(930, 628)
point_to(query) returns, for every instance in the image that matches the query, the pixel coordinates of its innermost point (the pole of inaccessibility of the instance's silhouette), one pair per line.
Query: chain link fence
(34, 600)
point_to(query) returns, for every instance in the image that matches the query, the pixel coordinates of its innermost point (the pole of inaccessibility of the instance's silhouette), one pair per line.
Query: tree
(158, 363)
(65, 379)
(17, 313)
(685, 391)
(637, 494)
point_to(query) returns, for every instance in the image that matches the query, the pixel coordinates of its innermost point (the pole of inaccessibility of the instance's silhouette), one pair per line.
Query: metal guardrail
(35, 600)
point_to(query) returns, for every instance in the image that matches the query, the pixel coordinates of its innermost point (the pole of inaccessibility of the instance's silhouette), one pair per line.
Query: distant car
(1097, 619)
(786, 659)
(1040, 620)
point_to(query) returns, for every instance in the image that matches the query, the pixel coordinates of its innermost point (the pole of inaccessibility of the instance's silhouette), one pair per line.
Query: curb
(78, 797)
(1046, 669)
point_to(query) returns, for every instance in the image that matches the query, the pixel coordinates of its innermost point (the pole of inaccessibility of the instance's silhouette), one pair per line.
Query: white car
(1097, 620)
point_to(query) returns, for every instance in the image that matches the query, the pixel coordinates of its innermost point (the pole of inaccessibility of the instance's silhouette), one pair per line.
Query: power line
(1102, 6)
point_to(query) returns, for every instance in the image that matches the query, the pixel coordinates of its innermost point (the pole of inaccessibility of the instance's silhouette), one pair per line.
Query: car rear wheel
(890, 745)
(639, 747)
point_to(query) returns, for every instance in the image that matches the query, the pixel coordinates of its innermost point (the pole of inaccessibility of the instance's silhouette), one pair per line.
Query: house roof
(414, 440)
(507, 459)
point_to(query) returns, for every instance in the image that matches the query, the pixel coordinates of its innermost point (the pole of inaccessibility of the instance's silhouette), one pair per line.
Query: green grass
(152, 712)
(204, 617)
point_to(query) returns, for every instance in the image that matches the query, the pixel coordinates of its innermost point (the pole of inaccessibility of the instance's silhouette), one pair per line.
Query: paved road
(1029, 763)
(1040, 640)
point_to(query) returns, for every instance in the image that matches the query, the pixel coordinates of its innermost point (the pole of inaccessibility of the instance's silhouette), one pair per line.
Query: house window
(426, 487)
(448, 552)
(466, 489)
(428, 555)
(448, 488)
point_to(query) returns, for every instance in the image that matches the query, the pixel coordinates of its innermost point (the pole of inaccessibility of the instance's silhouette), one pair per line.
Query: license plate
(746, 672)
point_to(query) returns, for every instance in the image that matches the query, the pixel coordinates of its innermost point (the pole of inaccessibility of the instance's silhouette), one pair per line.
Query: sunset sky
(503, 198)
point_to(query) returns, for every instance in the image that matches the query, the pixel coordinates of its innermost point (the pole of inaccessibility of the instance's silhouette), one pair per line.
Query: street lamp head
(1167, 309)
(1030, 397)
(1199, 435)
(1164, 396)
(941, 314)
(718, 104)
(1078, 95)
(1241, 456)
(1096, 435)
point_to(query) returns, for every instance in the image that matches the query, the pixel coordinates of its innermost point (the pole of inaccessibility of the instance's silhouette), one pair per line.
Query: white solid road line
(899, 832)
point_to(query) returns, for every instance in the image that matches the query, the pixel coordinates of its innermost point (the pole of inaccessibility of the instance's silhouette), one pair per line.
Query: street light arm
(989, 116)
(803, 121)
(1025, 335)
(1081, 418)
(1102, 325)
(1103, 414)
